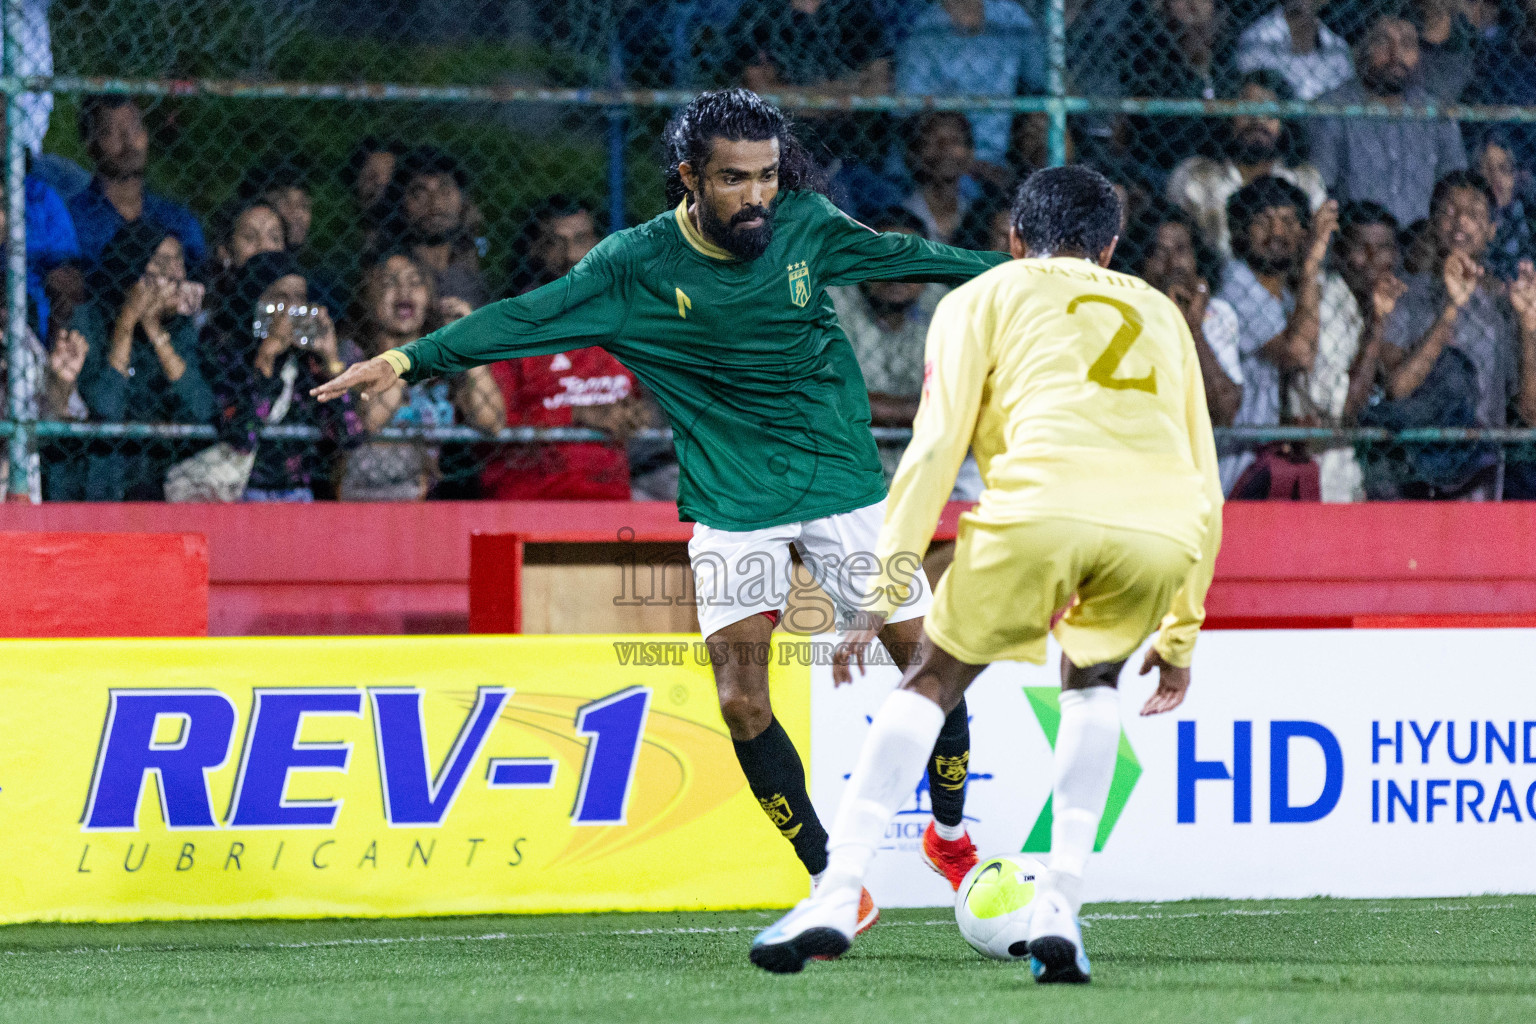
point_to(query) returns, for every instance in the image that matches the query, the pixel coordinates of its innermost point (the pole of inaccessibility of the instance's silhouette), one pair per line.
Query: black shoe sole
(790, 957)
(1059, 958)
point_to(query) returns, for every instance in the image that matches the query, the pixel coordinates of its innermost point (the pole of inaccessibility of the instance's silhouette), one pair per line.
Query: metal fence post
(21, 384)
(617, 131)
(1056, 79)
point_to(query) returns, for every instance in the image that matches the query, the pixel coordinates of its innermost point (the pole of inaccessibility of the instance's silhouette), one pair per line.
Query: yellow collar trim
(692, 236)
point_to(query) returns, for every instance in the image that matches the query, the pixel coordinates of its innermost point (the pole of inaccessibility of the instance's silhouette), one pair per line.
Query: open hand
(67, 355)
(1172, 684)
(1386, 291)
(142, 303)
(324, 342)
(1522, 296)
(189, 298)
(1324, 223)
(369, 378)
(1191, 294)
(1461, 276)
(855, 643)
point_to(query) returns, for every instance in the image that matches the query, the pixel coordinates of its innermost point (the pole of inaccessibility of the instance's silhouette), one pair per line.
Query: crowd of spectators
(1334, 271)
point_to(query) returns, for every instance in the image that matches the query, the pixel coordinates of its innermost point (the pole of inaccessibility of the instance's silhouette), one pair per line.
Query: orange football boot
(952, 858)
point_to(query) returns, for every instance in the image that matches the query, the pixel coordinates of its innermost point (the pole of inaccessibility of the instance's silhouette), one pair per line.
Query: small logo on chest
(799, 283)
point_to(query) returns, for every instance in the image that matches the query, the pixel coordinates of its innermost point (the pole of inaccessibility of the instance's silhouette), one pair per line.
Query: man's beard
(1391, 81)
(1268, 265)
(746, 244)
(1253, 148)
(112, 170)
(882, 307)
(424, 234)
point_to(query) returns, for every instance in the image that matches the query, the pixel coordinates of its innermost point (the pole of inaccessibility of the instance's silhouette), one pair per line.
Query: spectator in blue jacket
(112, 127)
(53, 252)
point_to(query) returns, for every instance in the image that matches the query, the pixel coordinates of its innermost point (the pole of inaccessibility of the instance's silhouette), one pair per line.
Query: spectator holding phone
(241, 229)
(142, 363)
(271, 348)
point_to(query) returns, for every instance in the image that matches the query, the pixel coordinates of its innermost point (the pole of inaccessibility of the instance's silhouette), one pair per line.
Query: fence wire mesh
(214, 205)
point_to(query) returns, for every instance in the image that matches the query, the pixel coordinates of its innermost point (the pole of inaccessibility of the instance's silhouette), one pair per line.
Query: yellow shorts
(1008, 580)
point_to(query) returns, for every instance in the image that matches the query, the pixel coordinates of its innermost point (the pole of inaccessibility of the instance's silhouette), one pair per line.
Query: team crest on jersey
(799, 283)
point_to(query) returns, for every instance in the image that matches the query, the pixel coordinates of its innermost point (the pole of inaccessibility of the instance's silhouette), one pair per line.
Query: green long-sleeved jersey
(769, 413)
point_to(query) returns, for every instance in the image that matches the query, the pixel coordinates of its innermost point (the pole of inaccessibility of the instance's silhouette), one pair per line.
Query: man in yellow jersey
(1079, 390)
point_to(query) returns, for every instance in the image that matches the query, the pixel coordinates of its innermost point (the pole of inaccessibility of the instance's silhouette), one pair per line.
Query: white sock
(948, 833)
(894, 757)
(1085, 762)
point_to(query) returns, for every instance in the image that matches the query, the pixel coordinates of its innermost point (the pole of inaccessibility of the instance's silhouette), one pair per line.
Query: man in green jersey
(719, 308)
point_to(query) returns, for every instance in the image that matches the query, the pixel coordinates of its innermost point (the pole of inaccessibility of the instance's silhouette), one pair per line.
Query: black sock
(777, 779)
(947, 766)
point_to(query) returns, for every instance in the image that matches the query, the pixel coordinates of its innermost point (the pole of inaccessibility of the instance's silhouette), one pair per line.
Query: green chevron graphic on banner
(1046, 703)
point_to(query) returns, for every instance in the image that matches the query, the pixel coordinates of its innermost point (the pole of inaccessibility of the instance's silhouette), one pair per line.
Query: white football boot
(819, 927)
(1056, 954)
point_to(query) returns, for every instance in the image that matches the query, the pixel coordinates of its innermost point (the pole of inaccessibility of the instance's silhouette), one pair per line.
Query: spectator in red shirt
(584, 388)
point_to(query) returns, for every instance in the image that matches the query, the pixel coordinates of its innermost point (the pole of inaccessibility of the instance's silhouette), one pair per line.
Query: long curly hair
(737, 115)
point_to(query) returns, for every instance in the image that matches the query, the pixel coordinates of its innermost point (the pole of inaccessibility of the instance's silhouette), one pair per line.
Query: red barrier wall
(103, 584)
(344, 568)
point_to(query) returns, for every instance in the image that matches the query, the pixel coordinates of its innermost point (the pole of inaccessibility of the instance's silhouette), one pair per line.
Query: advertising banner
(378, 777)
(1354, 763)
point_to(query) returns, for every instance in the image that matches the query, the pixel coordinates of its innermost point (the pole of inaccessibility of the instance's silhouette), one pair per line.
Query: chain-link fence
(213, 206)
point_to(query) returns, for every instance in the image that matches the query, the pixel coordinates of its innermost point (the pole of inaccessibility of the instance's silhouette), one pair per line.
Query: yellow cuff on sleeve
(1177, 650)
(399, 360)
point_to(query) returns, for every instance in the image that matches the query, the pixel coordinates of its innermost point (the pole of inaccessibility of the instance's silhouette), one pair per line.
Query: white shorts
(738, 574)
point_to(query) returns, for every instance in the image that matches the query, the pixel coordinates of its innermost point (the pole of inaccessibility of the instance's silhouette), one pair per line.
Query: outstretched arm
(855, 253)
(586, 307)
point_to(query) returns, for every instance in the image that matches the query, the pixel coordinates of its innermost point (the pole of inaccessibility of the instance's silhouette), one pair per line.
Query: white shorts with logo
(738, 574)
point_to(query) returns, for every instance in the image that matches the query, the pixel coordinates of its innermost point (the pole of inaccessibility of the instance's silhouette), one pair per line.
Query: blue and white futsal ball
(994, 905)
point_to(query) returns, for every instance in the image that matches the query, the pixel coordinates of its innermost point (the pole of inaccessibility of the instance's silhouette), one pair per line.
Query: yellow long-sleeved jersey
(1080, 393)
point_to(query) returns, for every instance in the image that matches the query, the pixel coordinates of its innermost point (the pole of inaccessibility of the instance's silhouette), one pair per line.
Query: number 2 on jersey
(1102, 372)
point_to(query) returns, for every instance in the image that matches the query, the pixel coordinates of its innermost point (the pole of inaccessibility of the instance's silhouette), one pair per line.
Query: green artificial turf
(1458, 961)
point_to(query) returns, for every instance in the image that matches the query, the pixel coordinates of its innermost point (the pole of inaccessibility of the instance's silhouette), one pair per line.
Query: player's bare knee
(939, 675)
(946, 693)
(744, 702)
(1103, 674)
(903, 640)
(746, 714)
